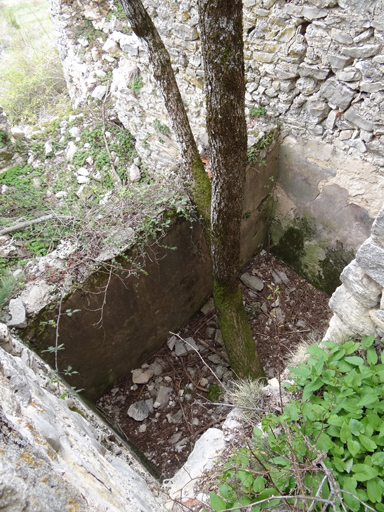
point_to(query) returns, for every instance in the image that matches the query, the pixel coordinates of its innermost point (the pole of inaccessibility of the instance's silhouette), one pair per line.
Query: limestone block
(372, 86)
(365, 289)
(357, 144)
(370, 257)
(337, 330)
(317, 110)
(352, 116)
(18, 314)
(306, 85)
(313, 71)
(207, 449)
(336, 93)
(377, 316)
(99, 92)
(351, 311)
(378, 228)
(339, 61)
(341, 37)
(348, 74)
(362, 52)
(35, 296)
(369, 70)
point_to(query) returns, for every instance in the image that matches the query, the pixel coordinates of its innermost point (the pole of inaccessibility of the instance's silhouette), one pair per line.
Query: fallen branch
(27, 223)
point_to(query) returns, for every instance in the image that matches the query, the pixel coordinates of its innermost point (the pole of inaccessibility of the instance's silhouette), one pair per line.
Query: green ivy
(337, 421)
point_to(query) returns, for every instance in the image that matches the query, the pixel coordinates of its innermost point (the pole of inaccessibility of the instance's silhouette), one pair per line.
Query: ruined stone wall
(358, 304)
(315, 68)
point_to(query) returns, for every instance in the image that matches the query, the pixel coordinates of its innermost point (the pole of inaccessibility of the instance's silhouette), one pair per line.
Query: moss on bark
(236, 332)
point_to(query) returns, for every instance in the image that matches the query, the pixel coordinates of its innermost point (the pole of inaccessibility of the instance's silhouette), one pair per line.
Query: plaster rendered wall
(317, 68)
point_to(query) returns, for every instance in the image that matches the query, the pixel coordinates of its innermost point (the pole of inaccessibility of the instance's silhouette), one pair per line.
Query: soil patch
(173, 406)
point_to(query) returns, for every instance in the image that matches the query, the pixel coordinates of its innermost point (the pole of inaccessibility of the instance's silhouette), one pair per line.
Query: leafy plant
(136, 84)
(161, 128)
(325, 446)
(254, 151)
(4, 138)
(257, 111)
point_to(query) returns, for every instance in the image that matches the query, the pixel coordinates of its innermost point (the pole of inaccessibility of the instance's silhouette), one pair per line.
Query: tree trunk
(144, 28)
(222, 50)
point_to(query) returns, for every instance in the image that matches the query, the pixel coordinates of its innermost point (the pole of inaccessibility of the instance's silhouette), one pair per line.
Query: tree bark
(144, 28)
(222, 49)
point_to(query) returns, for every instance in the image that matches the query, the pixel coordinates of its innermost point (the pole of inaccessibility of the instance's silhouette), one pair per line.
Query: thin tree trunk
(144, 28)
(222, 49)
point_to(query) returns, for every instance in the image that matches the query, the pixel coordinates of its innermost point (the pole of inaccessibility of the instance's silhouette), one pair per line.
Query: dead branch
(116, 177)
(27, 223)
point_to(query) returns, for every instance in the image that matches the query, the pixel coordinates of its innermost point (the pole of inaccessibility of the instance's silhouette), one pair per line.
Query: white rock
(139, 411)
(351, 311)
(17, 133)
(18, 314)
(74, 132)
(111, 47)
(82, 171)
(48, 148)
(140, 376)
(134, 173)
(82, 179)
(206, 451)
(35, 296)
(99, 92)
(60, 194)
(70, 151)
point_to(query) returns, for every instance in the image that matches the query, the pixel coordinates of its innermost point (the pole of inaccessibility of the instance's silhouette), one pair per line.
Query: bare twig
(207, 365)
(116, 177)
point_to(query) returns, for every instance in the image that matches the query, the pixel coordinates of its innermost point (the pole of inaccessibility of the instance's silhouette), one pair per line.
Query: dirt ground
(181, 386)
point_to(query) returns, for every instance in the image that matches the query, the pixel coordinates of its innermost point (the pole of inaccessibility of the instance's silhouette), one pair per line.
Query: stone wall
(358, 304)
(315, 68)
(56, 454)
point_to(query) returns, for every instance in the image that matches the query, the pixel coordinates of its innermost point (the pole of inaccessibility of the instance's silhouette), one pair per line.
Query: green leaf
(316, 351)
(372, 356)
(245, 478)
(280, 461)
(374, 491)
(368, 444)
(343, 366)
(350, 484)
(368, 400)
(310, 388)
(350, 347)
(355, 360)
(302, 371)
(363, 472)
(356, 427)
(378, 459)
(353, 447)
(367, 341)
(324, 442)
(345, 433)
(217, 503)
(307, 411)
(259, 484)
(291, 410)
(226, 491)
(257, 433)
(339, 464)
(266, 494)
